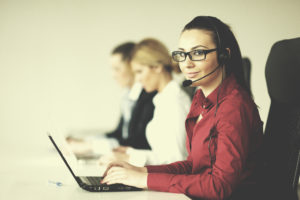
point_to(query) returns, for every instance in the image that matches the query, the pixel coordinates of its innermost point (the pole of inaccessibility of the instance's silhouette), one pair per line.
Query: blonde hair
(152, 52)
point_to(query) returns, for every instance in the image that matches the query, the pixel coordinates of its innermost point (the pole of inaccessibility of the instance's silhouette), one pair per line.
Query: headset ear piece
(224, 56)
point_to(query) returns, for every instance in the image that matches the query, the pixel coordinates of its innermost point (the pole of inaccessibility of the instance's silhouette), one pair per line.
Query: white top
(166, 131)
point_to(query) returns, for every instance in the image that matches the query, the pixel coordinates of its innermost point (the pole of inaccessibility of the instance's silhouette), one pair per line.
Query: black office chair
(282, 132)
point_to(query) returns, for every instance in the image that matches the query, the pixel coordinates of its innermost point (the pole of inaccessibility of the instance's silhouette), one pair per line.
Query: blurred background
(54, 54)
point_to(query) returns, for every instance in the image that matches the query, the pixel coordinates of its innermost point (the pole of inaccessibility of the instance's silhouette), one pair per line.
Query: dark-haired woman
(224, 130)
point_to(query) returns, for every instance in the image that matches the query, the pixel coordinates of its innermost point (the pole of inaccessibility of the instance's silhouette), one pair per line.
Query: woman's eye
(198, 52)
(181, 54)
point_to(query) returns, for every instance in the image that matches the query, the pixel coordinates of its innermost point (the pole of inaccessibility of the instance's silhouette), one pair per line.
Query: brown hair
(125, 50)
(152, 52)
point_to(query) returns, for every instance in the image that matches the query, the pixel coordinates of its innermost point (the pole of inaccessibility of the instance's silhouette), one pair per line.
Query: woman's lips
(191, 74)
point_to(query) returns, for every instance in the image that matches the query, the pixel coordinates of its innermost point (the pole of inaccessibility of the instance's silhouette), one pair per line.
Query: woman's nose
(188, 63)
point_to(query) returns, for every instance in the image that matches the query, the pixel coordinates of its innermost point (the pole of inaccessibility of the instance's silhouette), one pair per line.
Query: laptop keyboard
(95, 180)
(93, 184)
(92, 180)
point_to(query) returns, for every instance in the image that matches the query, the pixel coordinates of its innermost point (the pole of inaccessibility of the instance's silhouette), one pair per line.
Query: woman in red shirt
(224, 130)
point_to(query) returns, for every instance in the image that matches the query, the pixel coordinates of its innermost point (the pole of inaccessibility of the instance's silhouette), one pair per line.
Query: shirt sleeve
(232, 142)
(180, 167)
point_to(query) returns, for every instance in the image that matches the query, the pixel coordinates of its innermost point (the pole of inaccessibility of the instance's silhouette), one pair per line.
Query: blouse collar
(228, 84)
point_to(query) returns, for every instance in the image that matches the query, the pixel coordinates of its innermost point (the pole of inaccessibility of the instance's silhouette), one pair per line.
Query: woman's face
(146, 75)
(121, 71)
(196, 39)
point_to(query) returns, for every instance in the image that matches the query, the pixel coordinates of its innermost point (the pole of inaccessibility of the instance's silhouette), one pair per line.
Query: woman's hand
(124, 173)
(121, 149)
(114, 156)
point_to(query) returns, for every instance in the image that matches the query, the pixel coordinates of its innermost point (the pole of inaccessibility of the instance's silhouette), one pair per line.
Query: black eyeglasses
(195, 55)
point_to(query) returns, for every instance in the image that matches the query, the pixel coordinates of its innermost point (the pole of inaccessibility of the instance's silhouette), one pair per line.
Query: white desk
(26, 177)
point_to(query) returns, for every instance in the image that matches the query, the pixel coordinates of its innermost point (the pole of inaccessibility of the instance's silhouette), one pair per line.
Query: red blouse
(216, 166)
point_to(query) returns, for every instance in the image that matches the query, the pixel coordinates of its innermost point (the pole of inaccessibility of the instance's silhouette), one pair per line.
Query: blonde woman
(153, 67)
(136, 110)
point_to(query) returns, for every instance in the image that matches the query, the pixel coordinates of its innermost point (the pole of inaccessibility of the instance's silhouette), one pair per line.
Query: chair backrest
(282, 132)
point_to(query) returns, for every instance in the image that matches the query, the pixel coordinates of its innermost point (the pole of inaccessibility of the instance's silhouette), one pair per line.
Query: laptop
(92, 184)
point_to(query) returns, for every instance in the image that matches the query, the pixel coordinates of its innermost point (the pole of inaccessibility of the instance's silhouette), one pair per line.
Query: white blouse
(166, 131)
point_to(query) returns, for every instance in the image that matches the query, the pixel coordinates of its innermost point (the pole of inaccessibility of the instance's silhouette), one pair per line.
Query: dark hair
(125, 50)
(223, 38)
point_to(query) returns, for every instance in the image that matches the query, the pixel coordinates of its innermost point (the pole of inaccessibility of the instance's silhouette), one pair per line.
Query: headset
(222, 54)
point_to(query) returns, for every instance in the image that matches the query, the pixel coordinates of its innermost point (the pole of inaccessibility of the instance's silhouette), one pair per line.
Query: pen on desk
(55, 182)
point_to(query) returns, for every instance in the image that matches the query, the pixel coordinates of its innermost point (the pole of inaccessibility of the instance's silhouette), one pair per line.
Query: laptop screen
(62, 156)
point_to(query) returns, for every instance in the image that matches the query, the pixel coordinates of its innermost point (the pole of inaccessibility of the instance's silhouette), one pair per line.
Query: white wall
(54, 55)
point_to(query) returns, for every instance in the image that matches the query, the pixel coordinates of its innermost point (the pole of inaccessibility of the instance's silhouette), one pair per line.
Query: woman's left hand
(124, 173)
